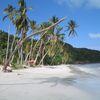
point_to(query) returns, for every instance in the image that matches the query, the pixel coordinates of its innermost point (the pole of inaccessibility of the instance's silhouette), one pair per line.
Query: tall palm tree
(56, 47)
(10, 11)
(46, 38)
(43, 41)
(21, 23)
(57, 37)
(30, 54)
(60, 44)
(20, 20)
(71, 28)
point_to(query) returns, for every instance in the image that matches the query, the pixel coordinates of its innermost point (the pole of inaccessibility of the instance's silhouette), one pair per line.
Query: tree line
(48, 48)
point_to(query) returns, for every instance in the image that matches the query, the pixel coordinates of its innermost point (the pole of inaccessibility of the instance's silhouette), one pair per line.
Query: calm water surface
(91, 83)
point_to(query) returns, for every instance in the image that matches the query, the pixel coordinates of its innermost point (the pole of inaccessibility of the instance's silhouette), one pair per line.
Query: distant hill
(84, 55)
(77, 55)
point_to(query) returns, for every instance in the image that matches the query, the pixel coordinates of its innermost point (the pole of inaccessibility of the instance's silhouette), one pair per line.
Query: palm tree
(60, 47)
(48, 38)
(54, 19)
(30, 54)
(20, 20)
(55, 47)
(43, 40)
(21, 23)
(22, 41)
(71, 28)
(10, 11)
(71, 32)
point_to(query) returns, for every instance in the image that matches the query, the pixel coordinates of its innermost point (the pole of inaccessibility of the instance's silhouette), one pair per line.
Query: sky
(86, 14)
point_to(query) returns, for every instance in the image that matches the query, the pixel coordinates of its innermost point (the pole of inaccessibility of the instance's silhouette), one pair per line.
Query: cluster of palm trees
(50, 37)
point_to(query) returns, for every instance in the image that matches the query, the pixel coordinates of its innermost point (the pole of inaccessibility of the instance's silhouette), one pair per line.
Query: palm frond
(5, 17)
(71, 28)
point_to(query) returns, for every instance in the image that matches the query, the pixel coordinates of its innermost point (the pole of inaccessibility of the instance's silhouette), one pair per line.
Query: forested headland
(72, 55)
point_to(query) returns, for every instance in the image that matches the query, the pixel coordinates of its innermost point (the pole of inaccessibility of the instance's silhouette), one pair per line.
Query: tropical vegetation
(48, 48)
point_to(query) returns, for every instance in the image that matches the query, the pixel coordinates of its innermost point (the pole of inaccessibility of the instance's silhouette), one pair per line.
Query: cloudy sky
(86, 13)
(80, 3)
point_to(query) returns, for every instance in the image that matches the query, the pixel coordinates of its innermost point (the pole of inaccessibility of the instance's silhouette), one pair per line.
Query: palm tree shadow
(68, 81)
(57, 80)
(54, 80)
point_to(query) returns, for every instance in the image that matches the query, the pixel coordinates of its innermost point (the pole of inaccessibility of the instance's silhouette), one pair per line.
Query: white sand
(46, 83)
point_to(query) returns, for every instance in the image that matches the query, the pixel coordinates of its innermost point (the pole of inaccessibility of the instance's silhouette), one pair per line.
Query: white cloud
(93, 3)
(76, 3)
(80, 3)
(94, 35)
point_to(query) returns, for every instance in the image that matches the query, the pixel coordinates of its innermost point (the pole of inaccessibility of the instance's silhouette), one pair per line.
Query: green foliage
(71, 28)
(49, 48)
(62, 54)
(83, 55)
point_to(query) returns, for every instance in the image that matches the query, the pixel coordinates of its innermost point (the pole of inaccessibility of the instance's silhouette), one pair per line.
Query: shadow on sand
(66, 81)
(57, 80)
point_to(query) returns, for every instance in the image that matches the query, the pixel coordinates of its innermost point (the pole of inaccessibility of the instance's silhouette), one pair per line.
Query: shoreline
(62, 82)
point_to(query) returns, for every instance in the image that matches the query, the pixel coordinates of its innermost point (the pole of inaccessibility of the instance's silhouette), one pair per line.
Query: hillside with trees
(73, 55)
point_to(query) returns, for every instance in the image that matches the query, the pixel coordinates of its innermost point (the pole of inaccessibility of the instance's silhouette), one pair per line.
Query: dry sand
(46, 83)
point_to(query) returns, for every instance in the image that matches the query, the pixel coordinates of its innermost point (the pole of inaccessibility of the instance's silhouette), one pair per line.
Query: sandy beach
(63, 82)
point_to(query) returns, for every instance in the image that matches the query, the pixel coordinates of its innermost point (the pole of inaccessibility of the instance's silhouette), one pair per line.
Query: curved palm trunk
(8, 43)
(7, 50)
(39, 40)
(21, 54)
(12, 46)
(43, 53)
(21, 49)
(29, 55)
(38, 54)
(8, 60)
(53, 59)
(42, 60)
(18, 59)
(31, 49)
